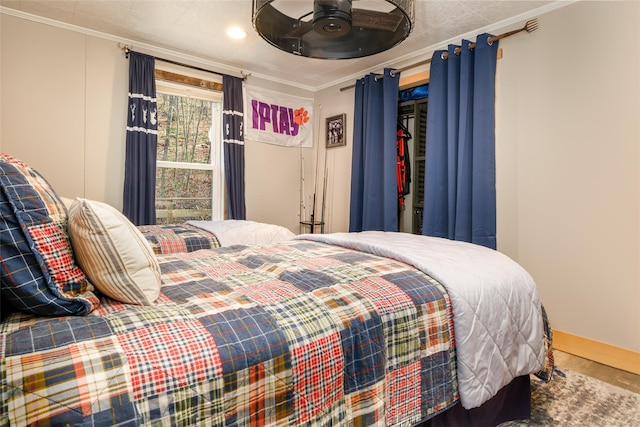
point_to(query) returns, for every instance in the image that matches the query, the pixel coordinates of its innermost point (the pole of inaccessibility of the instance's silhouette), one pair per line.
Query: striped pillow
(113, 253)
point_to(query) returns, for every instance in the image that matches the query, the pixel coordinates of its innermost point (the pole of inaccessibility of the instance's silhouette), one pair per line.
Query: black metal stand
(312, 225)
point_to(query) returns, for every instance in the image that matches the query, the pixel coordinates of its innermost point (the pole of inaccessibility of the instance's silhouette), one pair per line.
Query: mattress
(195, 235)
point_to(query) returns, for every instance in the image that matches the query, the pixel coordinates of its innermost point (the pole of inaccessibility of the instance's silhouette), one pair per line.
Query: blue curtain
(374, 192)
(460, 192)
(233, 141)
(141, 143)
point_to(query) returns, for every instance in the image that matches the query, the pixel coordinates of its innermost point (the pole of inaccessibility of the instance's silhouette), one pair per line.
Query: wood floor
(617, 377)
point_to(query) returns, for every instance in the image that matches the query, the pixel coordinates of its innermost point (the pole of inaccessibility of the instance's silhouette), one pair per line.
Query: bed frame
(513, 402)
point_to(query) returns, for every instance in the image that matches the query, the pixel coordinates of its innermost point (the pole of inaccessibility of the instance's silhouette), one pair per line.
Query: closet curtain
(460, 193)
(233, 141)
(374, 193)
(139, 200)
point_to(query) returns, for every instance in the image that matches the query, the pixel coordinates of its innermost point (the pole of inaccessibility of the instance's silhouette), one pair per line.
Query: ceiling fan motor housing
(332, 18)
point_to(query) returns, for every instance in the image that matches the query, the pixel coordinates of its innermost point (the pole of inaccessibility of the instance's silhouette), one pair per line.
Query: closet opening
(412, 132)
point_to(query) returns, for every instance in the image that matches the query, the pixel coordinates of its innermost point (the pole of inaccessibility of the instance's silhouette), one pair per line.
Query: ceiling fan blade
(375, 20)
(334, 29)
(300, 30)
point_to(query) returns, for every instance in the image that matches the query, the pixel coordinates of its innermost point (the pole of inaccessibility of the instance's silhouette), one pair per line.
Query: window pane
(183, 129)
(183, 195)
(188, 175)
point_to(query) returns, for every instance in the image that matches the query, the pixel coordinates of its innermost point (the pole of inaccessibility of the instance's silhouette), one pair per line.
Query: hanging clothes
(403, 165)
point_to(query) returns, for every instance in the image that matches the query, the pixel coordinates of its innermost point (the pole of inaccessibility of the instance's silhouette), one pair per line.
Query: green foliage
(183, 136)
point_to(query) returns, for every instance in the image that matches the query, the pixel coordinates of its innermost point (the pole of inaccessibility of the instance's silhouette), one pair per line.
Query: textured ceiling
(198, 29)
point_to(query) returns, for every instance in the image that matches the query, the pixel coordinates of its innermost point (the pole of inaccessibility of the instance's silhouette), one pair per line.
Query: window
(189, 175)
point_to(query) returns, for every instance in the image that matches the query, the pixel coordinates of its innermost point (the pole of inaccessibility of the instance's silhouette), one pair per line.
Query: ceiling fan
(334, 29)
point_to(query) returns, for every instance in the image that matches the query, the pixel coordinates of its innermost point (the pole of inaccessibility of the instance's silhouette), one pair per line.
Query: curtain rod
(530, 26)
(126, 49)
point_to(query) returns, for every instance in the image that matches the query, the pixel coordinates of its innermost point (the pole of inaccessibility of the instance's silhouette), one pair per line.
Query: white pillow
(67, 202)
(113, 253)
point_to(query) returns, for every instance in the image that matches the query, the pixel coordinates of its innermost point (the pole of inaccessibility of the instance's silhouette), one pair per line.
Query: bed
(195, 235)
(346, 329)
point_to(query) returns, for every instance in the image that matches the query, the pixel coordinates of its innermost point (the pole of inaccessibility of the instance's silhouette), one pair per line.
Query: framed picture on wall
(337, 130)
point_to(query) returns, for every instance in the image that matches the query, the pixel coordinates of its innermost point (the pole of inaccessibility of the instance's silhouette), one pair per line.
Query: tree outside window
(188, 172)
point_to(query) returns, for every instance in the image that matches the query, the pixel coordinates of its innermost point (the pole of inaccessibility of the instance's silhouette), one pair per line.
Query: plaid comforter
(176, 238)
(297, 333)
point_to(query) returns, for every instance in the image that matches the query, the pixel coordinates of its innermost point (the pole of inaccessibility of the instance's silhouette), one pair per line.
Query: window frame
(215, 136)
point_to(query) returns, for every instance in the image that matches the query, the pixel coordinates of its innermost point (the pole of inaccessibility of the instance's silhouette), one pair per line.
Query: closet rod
(530, 26)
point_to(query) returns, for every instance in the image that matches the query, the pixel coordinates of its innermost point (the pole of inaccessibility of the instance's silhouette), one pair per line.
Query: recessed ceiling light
(236, 33)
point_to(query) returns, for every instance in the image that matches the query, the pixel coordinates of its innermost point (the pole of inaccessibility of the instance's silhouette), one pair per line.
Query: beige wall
(334, 162)
(273, 177)
(63, 101)
(568, 144)
(568, 150)
(43, 106)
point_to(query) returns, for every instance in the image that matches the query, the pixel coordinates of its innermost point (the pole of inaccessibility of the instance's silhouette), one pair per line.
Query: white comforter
(496, 311)
(240, 232)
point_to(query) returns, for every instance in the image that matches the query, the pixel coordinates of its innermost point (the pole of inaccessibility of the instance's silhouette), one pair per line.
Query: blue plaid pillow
(37, 269)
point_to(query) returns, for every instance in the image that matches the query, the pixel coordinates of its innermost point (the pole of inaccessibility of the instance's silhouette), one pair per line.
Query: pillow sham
(66, 201)
(113, 253)
(38, 273)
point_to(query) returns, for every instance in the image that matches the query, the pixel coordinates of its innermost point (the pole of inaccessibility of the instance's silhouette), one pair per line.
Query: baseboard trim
(597, 351)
